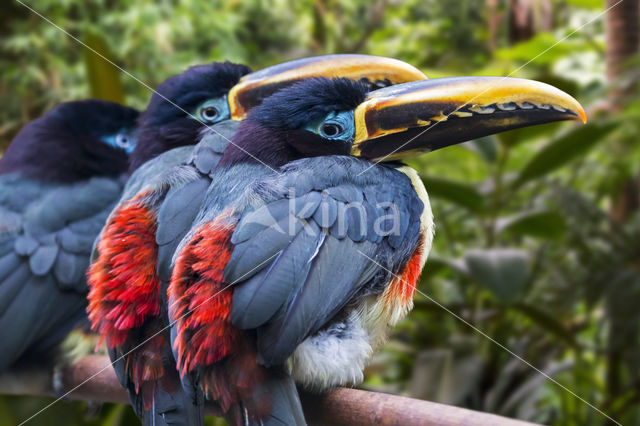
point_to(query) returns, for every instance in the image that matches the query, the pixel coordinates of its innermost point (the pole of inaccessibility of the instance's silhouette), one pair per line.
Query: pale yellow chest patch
(379, 312)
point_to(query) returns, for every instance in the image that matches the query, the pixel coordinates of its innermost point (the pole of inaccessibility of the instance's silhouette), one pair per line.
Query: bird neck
(154, 140)
(254, 143)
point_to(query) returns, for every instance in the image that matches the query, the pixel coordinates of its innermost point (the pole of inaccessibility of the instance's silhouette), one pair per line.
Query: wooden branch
(338, 407)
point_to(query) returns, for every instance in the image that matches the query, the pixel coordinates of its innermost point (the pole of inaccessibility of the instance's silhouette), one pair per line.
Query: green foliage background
(525, 250)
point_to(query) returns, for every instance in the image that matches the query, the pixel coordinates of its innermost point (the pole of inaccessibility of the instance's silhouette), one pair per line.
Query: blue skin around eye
(220, 104)
(111, 140)
(344, 119)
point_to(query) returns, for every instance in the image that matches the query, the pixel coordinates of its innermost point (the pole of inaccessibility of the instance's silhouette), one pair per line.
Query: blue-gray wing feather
(45, 245)
(187, 183)
(291, 280)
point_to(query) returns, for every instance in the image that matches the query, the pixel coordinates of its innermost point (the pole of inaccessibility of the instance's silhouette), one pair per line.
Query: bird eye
(209, 113)
(331, 130)
(212, 111)
(337, 125)
(123, 141)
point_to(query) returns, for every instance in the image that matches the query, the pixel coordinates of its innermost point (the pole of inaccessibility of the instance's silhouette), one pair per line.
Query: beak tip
(575, 107)
(583, 116)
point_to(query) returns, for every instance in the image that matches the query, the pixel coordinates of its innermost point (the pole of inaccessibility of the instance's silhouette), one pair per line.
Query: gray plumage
(185, 186)
(174, 184)
(293, 266)
(286, 408)
(46, 231)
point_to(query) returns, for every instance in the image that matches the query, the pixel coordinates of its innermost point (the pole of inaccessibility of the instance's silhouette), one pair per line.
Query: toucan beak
(253, 88)
(412, 118)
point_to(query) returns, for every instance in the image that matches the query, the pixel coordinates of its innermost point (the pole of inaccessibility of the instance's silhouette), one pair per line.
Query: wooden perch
(338, 407)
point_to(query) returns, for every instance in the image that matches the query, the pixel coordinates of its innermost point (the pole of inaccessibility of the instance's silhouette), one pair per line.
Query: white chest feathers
(335, 356)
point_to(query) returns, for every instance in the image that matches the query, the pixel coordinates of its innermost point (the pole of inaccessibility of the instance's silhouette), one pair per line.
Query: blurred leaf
(486, 147)
(214, 421)
(564, 149)
(518, 136)
(6, 418)
(443, 376)
(437, 263)
(117, 415)
(503, 271)
(546, 322)
(523, 401)
(541, 43)
(565, 84)
(586, 4)
(541, 224)
(104, 78)
(433, 266)
(458, 193)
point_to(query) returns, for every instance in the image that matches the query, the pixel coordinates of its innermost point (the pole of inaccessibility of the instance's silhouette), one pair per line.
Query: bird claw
(93, 408)
(57, 382)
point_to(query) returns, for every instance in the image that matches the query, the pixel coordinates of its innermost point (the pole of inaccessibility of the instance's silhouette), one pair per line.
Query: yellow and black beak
(412, 118)
(253, 88)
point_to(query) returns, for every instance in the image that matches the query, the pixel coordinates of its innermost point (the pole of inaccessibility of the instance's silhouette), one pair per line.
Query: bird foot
(57, 382)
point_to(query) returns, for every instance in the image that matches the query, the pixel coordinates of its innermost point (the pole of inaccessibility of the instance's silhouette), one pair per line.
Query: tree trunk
(623, 36)
(494, 20)
(622, 43)
(528, 17)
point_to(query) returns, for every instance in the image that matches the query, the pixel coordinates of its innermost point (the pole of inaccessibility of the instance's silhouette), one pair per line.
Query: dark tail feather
(174, 409)
(171, 404)
(286, 409)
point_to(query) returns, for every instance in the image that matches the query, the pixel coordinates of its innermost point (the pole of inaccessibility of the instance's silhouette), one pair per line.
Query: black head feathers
(274, 134)
(309, 100)
(65, 145)
(163, 126)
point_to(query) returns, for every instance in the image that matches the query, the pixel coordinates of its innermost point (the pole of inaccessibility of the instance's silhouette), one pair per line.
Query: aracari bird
(133, 258)
(180, 108)
(309, 243)
(59, 179)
